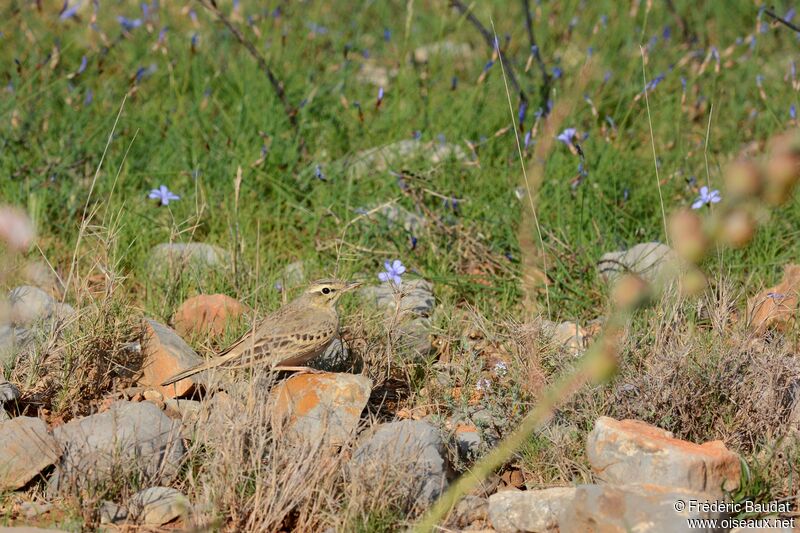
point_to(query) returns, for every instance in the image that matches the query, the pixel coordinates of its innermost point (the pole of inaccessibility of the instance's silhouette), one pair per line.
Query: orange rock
(776, 307)
(166, 354)
(206, 314)
(631, 451)
(323, 406)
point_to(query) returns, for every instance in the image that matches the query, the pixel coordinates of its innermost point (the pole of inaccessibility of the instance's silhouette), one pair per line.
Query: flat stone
(128, 435)
(630, 451)
(321, 407)
(382, 158)
(8, 391)
(468, 442)
(529, 510)
(30, 304)
(410, 453)
(158, 505)
(470, 512)
(167, 258)
(646, 259)
(416, 297)
(335, 358)
(776, 307)
(639, 508)
(444, 49)
(39, 274)
(206, 315)
(112, 513)
(26, 448)
(166, 354)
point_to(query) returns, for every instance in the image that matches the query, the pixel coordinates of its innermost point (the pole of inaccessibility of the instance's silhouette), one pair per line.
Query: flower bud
(687, 235)
(738, 228)
(743, 179)
(692, 282)
(629, 292)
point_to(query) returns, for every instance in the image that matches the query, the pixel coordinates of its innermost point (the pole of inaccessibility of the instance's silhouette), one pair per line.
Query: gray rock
(640, 508)
(398, 215)
(167, 258)
(26, 448)
(8, 391)
(39, 274)
(335, 358)
(33, 509)
(403, 152)
(444, 49)
(416, 297)
(13, 340)
(112, 513)
(157, 506)
(648, 260)
(129, 438)
(469, 444)
(313, 408)
(470, 510)
(630, 451)
(408, 455)
(529, 510)
(294, 274)
(30, 304)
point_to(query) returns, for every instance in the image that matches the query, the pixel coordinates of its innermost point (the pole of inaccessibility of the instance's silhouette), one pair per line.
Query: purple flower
(566, 136)
(162, 34)
(790, 14)
(527, 138)
(164, 195)
(319, 174)
(652, 84)
(129, 24)
(68, 12)
(557, 72)
(793, 111)
(706, 198)
(488, 65)
(500, 368)
(89, 97)
(83, 64)
(667, 33)
(387, 34)
(484, 385)
(523, 109)
(394, 269)
(380, 95)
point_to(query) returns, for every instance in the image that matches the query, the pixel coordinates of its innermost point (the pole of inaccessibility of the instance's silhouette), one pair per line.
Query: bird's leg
(298, 369)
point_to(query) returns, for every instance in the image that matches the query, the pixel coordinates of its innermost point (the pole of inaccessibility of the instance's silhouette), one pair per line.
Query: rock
(112, 513)
(398, 215)
(29, 529)
(26, 448)
(413, 323)
(158, 505)
(40, 275)
(188, 410)
(335, 358)
(321, 407)
(630, 451)
(640, 508)
(382, 158)
(168, 258)
(567, 335)
(646, 259)
(33, 509)
(294, 274)
(8, 391)
(410, 454)
(375, 74)
(129, 436)
(416, 297)
(166, 354)
(445, 49)
(468, 441)
(30, 304)
(206, 315)
(529, 510)
(470, 511)
(776, 307)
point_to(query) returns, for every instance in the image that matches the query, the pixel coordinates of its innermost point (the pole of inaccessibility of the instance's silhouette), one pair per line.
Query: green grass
(203, 113)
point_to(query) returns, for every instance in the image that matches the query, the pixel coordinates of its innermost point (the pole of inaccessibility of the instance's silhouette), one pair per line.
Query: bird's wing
(290, 336)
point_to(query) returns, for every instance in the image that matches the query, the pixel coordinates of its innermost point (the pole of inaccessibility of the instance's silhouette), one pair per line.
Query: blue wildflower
(319, 174)
(380, 95)
(387, 34)
(82, 67)
(790, 14)
(557, 72)
(488, 65)
(393, 271)
(68, 12)
(164, 195)
(567, 136)
(527, 138)
(706, 198)
(667, 33)
(129, 24)
(523, 110)
(453, 83)
(89, 97)
(793, 111)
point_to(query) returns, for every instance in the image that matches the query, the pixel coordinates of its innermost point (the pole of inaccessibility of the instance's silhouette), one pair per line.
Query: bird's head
(325, 292)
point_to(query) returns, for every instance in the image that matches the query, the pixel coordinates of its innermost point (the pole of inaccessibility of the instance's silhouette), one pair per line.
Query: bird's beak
(352, 285)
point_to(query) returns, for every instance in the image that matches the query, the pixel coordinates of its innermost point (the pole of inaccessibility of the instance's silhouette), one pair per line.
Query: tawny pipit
(289, 337)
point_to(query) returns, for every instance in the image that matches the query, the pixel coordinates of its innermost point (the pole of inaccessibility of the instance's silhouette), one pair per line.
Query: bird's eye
(326, 290)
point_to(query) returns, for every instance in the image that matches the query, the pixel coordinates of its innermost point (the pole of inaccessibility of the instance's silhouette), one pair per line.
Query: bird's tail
(189, 372)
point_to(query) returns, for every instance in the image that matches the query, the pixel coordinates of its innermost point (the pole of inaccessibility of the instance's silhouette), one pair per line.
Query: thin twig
(487, 36)
(291, 112)
(544, 91)
(782, 20)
